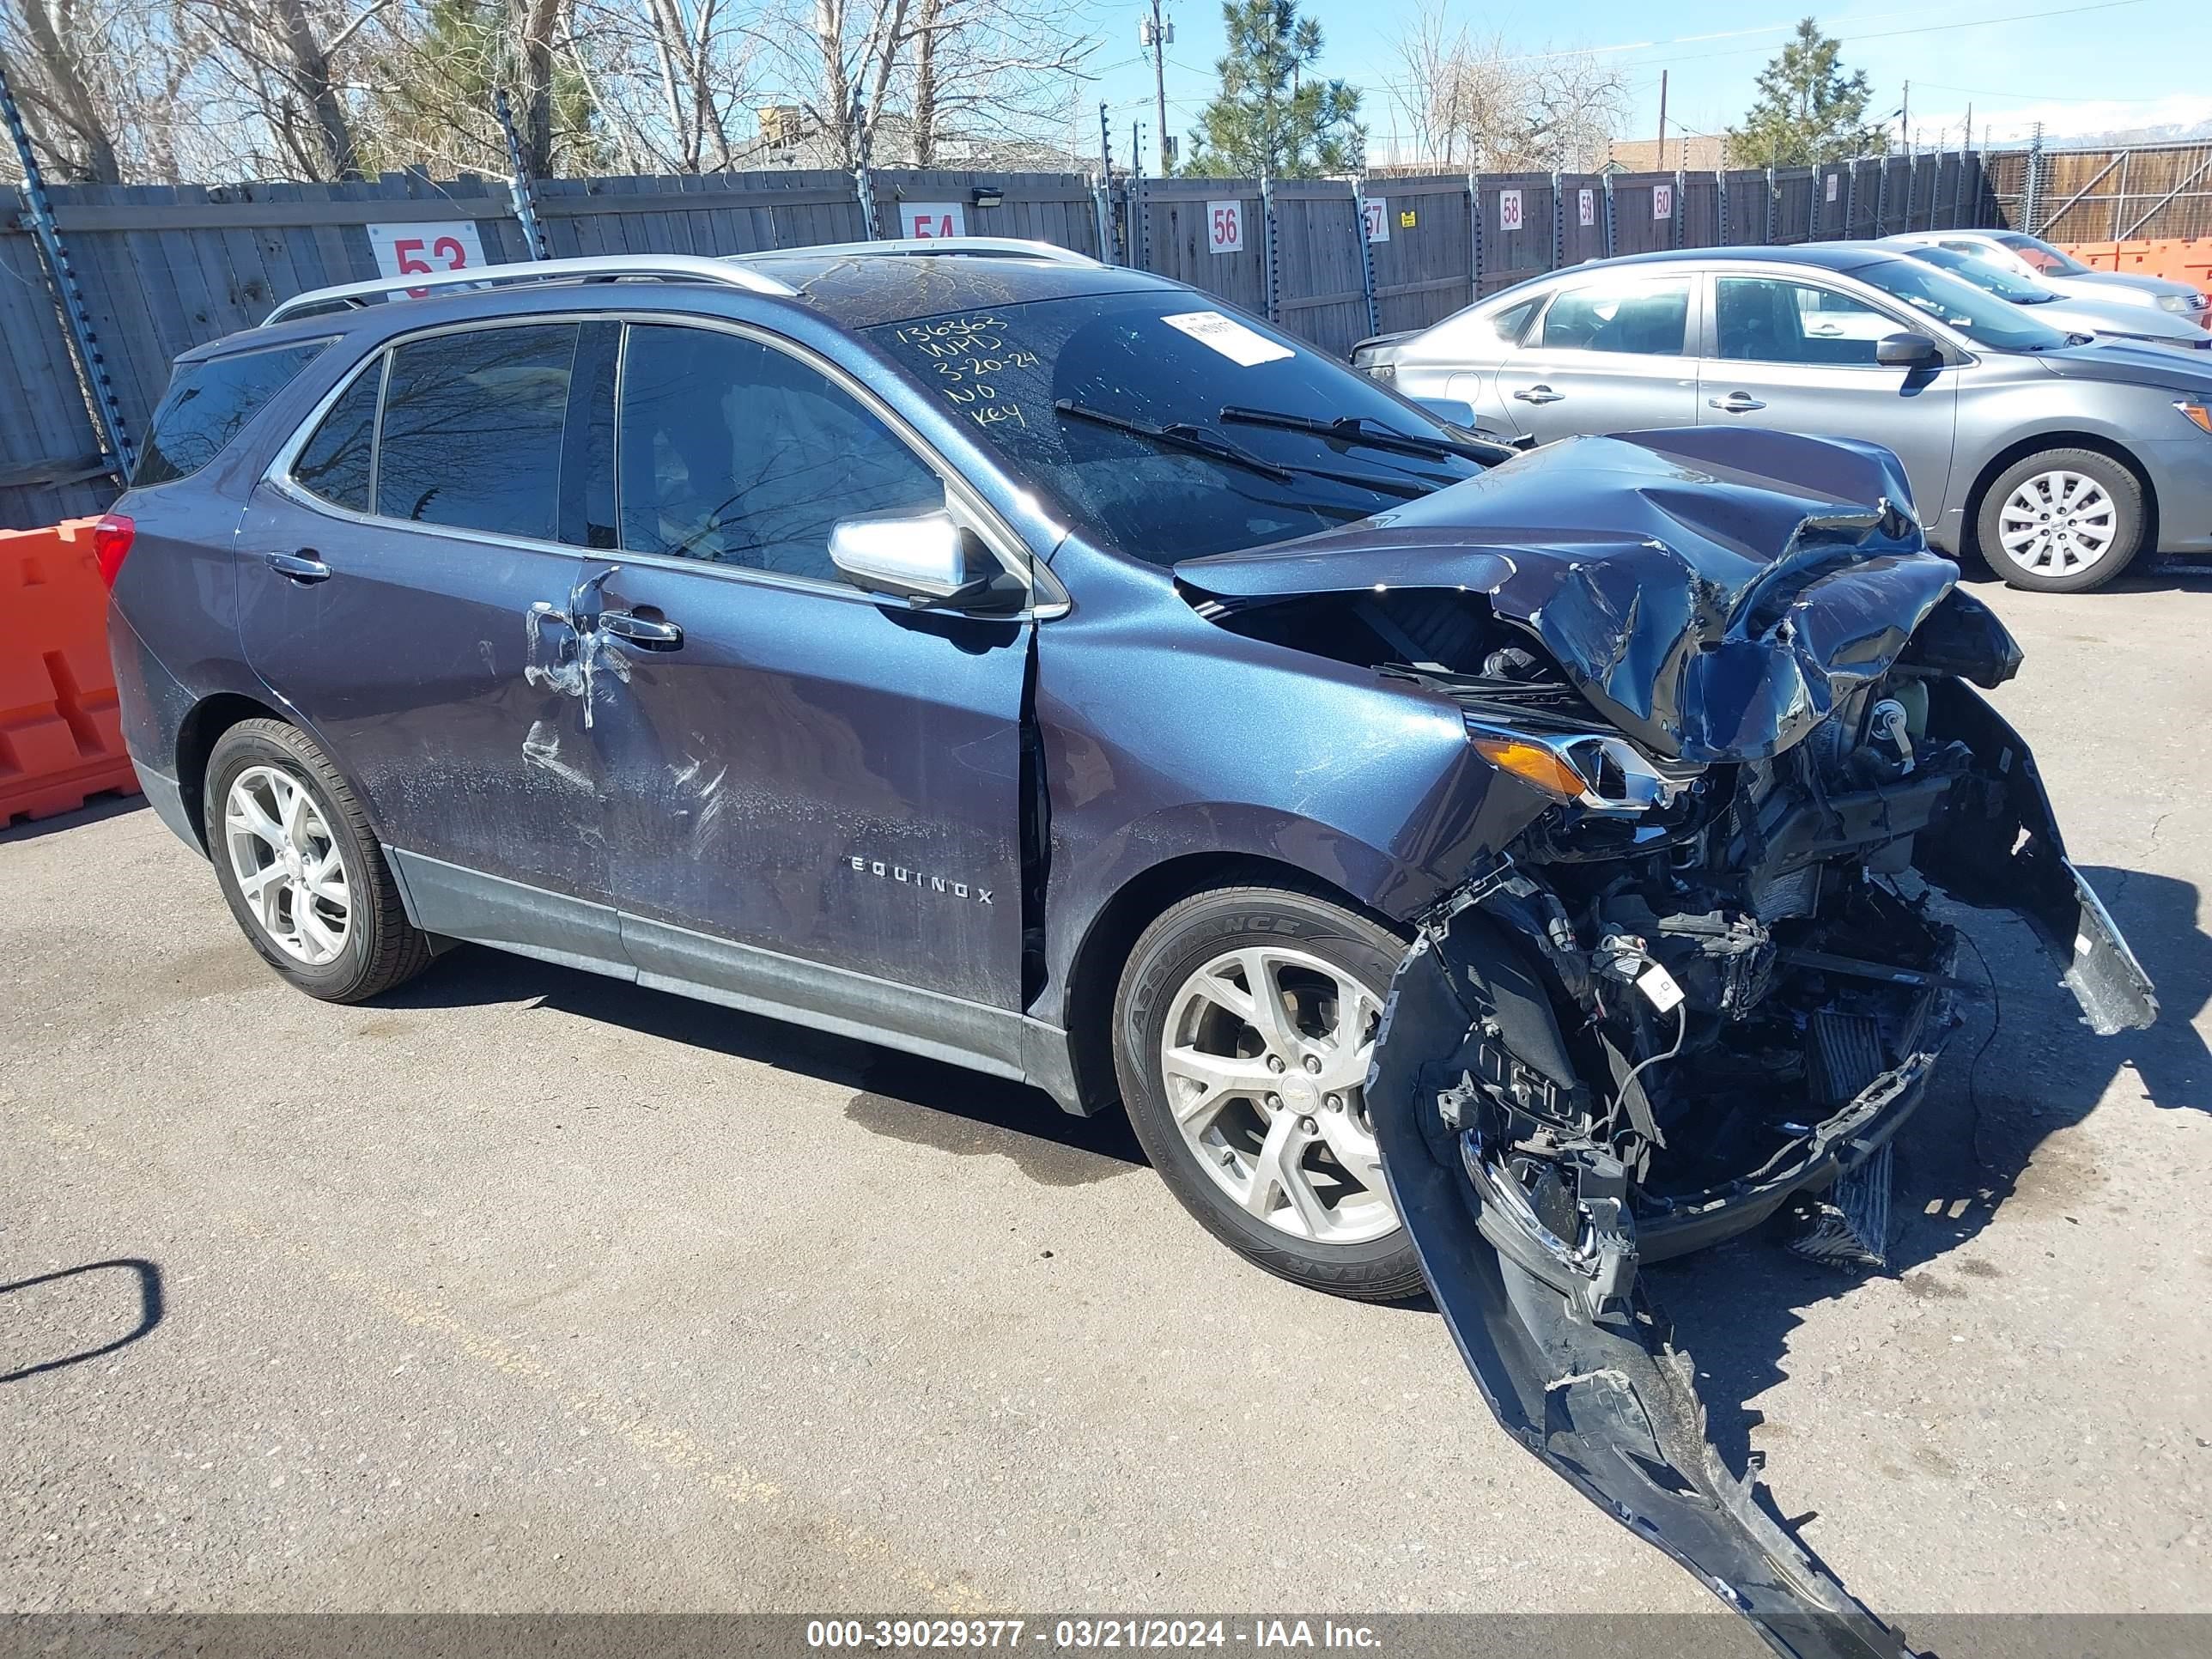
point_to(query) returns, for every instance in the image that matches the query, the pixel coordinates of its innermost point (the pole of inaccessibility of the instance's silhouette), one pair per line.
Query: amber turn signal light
(2196, 414)
(1533, 764)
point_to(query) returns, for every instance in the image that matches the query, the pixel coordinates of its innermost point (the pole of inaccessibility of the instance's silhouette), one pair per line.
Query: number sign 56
(1224, 227)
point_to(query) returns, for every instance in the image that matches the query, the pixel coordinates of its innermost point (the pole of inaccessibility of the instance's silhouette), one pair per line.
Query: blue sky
(2078, 65)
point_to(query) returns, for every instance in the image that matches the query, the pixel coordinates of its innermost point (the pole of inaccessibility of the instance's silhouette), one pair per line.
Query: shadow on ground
(2022, 1068)
(900, 1095)
(143, 1282)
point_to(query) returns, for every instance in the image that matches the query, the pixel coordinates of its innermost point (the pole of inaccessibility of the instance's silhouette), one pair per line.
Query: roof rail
(610, 267)
(993, 247)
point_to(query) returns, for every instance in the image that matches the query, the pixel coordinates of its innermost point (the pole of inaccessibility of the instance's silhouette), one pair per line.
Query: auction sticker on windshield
(1227, 337)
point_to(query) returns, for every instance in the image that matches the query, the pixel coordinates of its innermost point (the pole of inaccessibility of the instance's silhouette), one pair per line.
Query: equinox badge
(915, 878)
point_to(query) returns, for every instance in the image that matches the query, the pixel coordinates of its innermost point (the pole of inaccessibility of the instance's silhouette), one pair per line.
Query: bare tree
(671, 78)
(1476, 104)
(997, 68)
(40, 48)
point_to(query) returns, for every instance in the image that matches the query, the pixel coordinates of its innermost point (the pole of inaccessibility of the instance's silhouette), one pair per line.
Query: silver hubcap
(288, 865)
(2058, 523)
(1265, 1057)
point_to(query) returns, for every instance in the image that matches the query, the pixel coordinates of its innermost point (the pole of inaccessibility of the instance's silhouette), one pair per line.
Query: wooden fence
(167, 267)
(2150, 193)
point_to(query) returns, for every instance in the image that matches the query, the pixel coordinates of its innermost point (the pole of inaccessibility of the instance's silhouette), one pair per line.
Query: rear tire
(300, 866)
(2062, 521)
(1295, 1188)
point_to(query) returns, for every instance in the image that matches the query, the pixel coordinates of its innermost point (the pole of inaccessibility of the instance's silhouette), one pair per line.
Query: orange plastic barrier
(2181, 261)
(61, 738)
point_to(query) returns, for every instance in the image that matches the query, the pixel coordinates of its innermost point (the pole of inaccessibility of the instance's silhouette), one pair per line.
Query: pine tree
(1808, 111)
(1270, 119)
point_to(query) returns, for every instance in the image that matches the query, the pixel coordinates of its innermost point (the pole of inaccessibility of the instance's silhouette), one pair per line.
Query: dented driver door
(814, 794)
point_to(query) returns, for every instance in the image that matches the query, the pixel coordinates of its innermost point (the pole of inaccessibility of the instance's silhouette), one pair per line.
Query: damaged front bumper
(1532, 1231)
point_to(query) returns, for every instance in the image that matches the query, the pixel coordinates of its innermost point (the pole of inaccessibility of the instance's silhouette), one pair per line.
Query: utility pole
(1157, 34)
(1659, 161)
(1105, 147)
(1904, 117)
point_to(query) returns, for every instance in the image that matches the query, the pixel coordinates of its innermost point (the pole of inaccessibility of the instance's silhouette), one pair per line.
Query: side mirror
(1907, 351)
(923, 558)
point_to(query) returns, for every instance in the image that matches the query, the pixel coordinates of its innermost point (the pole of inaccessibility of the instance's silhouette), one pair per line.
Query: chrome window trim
(1047, 597)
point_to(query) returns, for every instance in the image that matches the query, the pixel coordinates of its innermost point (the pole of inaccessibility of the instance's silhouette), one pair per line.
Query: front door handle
(1736, 403)
(652, 632)
(1538, 394)
(304, 566)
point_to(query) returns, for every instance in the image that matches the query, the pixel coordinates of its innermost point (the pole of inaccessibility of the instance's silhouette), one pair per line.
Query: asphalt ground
(525, 1291)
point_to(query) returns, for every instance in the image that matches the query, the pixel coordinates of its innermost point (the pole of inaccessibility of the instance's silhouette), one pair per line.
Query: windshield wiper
(1202, 440)
(1359, 430)
(1179, 435)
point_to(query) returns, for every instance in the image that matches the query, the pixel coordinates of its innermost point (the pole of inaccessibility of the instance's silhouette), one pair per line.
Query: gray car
(2030, 256)
(2057, 461)
(2070, 313)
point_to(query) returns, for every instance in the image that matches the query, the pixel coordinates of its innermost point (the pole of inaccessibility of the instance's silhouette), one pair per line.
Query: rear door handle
(1539, 394)
(1736, 403)
(651, 632)
(303, 567)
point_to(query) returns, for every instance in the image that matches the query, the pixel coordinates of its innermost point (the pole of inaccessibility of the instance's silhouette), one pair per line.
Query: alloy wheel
(1264, 1057)
(2058, 523)
(288, 865)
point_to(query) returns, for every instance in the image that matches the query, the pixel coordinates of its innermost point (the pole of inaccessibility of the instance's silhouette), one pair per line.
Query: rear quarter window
(208, 403)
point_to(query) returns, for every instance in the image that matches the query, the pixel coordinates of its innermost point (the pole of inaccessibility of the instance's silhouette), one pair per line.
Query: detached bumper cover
(1613, 1409)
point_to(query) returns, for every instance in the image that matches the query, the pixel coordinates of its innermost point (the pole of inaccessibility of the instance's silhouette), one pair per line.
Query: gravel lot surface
(530, 1291)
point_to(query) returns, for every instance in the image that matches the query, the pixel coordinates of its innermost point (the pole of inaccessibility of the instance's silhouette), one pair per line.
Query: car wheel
(301, 871)
(1243, 1029)
(2062, 521)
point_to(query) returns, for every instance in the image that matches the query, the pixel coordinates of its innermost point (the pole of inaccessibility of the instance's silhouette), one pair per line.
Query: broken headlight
(1597, 770)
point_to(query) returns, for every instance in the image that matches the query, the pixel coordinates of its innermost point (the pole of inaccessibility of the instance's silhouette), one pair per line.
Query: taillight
(111, 545)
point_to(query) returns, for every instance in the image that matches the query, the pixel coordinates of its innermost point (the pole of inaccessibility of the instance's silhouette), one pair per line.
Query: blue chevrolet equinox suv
(1512, 867)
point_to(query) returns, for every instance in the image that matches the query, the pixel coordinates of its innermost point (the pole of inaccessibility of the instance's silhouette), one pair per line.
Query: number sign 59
(410, 250)
(1224, 227)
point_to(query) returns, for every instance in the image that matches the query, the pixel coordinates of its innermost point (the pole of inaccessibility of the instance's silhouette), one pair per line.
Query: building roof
(1685, 152)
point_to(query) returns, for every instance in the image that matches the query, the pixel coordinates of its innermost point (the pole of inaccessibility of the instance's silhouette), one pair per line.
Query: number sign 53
(410, 250)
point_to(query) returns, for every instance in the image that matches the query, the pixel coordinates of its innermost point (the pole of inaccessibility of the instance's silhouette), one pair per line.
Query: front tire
(1243, 1029)
(2062, 521)
(300, 868)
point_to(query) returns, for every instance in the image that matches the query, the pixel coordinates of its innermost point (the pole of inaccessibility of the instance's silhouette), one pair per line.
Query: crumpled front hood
(1713, 592)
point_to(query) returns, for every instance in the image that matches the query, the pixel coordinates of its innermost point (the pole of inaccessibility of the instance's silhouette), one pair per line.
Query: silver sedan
(2057, 461)
(2030, 256)
(2069, 313)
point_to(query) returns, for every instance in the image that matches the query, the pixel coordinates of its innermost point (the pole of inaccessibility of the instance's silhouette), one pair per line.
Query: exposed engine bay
(1706, 974)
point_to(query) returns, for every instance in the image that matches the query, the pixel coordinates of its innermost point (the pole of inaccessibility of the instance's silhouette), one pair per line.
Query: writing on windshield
(975, 364)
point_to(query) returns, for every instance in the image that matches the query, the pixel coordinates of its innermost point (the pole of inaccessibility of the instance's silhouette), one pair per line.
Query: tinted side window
(334, 463)
(1771, 319)
(471, 429)
(208, 404)
(1643, 317)
(736, 452)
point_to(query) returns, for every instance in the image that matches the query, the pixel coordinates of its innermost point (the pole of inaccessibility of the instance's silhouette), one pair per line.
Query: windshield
(1114, 409)
(1982, 317)
(2045, 257)
(1992, 279)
